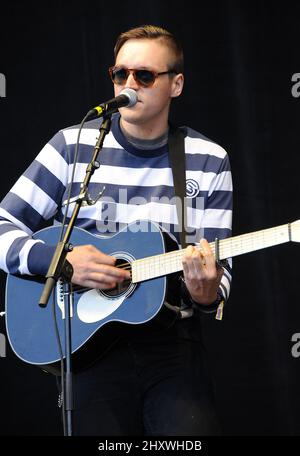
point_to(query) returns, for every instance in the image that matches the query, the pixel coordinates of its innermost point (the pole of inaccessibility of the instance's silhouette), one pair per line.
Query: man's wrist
(206, 308)
(212, 307)
(200, 302)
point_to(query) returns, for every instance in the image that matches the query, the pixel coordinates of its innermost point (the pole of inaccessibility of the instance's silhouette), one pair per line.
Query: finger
(186, 257)
(98, 285)
(103, 279)
(112, 272)
(207, 253)
(198, 262)
(185, 269)
(107, 263)
(194, 264)
(95, 255)
(205, 247)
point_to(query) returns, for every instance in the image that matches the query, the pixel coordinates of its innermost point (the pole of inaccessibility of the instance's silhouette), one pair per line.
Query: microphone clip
(85, 198)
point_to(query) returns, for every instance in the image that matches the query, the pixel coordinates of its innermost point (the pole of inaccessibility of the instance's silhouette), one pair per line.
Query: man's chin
(132, 117)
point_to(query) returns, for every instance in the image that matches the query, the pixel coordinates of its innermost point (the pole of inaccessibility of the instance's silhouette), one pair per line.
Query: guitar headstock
(295, 231)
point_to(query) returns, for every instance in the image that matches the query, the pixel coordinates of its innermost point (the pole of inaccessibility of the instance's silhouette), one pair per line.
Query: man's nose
(131, 82)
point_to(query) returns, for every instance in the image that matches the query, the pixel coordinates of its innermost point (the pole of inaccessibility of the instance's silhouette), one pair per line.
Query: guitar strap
(177, 162)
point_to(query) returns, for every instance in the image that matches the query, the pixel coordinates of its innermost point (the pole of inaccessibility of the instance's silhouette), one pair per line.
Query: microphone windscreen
(132, 96)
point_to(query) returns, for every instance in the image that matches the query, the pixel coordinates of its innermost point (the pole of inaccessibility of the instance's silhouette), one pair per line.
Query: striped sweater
(138, 185)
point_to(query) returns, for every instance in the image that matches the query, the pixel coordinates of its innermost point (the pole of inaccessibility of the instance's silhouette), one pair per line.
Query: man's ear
(177, 85)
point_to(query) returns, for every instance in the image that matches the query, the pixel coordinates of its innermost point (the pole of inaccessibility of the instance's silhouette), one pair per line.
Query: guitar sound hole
(123, 287)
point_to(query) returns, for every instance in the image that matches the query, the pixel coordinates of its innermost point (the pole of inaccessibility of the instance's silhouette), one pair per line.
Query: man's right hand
(94, 269)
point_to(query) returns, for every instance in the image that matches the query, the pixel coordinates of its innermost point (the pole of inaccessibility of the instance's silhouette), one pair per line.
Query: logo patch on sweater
(192, 188)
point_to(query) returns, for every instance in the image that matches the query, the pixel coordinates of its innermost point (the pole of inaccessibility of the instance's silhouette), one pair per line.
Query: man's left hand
(201, 273)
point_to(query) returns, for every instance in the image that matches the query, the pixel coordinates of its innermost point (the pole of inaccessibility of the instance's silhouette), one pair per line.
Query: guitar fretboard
(166, 263)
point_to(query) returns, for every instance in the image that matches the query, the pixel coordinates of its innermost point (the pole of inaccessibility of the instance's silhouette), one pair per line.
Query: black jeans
(152, 382)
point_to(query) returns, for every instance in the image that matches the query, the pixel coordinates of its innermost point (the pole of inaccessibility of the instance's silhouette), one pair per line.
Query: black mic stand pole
(60, 266)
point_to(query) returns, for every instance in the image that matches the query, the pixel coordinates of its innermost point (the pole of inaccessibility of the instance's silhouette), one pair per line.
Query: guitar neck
(167, 263)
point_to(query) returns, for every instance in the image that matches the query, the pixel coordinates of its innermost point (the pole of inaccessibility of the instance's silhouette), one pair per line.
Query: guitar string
(241, 243)
(233, 245)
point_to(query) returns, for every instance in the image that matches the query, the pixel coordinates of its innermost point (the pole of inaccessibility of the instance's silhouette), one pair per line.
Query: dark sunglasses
(145, 78)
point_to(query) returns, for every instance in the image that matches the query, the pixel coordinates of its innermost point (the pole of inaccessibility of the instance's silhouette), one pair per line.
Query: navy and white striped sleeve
(30, 203)
(217, 219)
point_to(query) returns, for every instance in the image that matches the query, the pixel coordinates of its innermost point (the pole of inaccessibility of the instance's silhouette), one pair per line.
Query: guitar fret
(167, 263)
(254, 241)
(156, 266)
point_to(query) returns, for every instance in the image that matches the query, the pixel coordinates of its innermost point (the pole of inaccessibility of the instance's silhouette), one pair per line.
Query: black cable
(62, 369)
(62, 385)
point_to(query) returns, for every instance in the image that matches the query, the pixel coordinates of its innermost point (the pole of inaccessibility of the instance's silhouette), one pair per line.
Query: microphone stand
(60, 266)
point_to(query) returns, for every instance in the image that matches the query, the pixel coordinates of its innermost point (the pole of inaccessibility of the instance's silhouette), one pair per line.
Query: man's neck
(143, 132)
(146, 144)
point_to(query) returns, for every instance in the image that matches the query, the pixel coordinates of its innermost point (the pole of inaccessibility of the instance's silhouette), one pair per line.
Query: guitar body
(31, 329)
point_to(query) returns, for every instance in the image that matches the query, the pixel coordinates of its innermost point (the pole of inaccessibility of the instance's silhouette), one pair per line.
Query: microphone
(127, 97)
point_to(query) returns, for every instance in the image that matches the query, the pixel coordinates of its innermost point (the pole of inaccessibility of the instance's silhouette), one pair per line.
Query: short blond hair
(152, 32)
